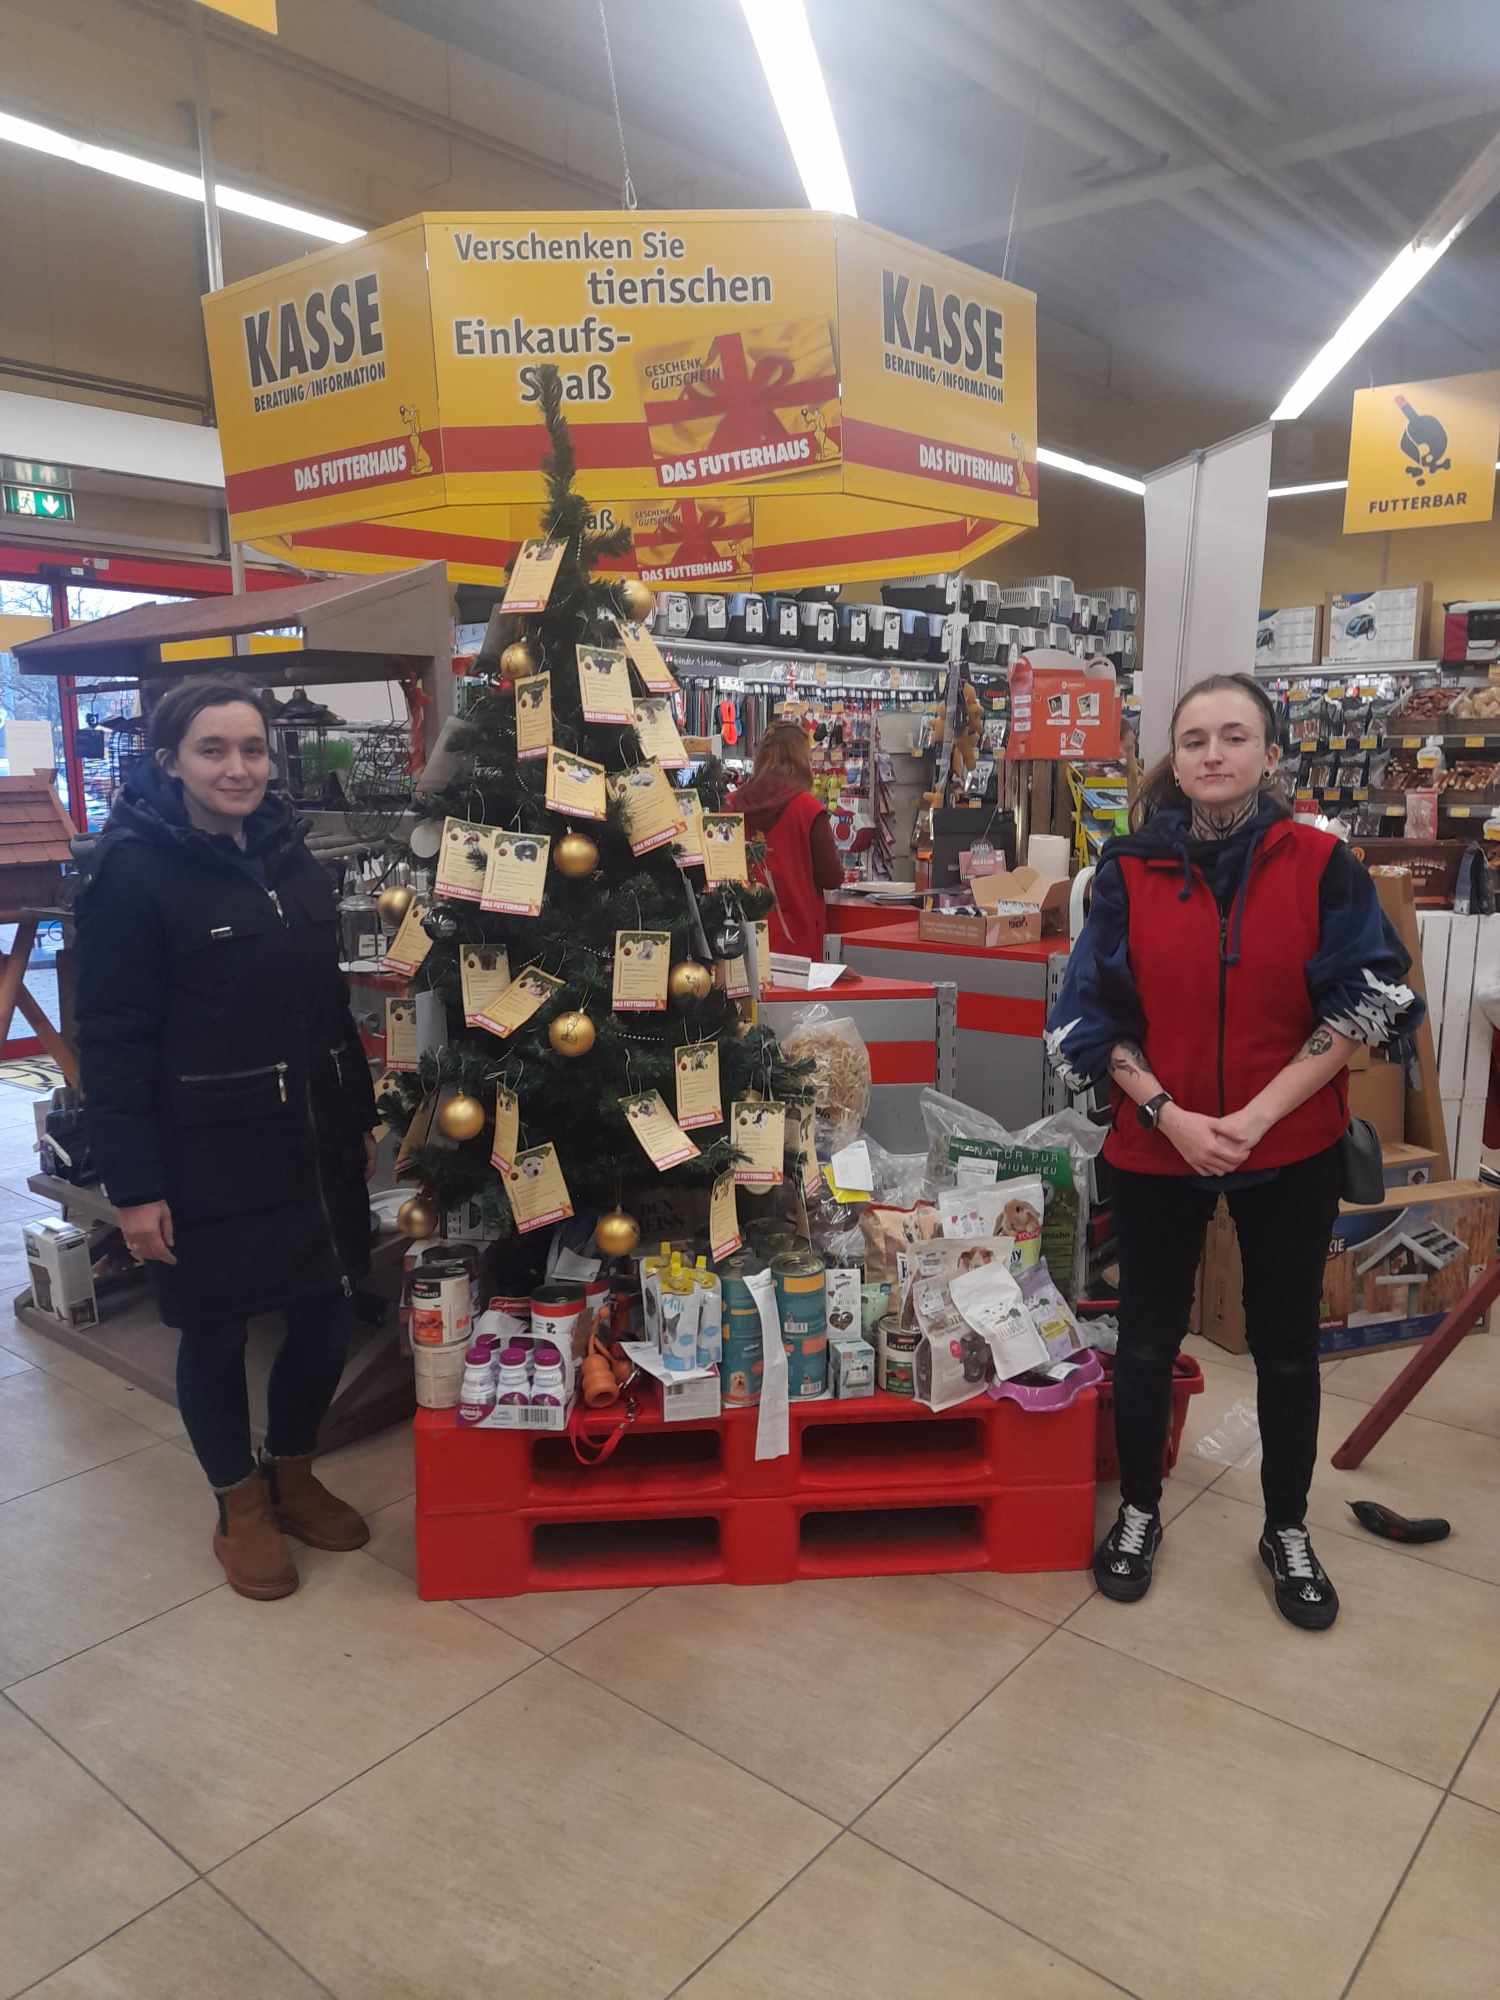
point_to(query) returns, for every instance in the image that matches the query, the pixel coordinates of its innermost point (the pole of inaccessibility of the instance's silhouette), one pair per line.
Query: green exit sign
(38, 503)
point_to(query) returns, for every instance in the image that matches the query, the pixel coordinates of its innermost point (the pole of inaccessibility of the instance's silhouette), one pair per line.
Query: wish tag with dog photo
(515, 878)
(642, 961)
(463, 856)
(533, 716)
(535, 1188)
(484, 974)
(575, 786)
(698, 1100)
(532, 575)
(513, 1008)
(662, 1139)
(758, 1130)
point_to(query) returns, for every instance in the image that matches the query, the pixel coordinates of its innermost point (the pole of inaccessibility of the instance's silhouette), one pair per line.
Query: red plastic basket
(1187, 1381)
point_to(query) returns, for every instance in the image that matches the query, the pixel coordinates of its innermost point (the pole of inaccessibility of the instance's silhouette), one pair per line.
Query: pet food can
(897, 1349)
(801, 1300)
(442, 1303)
(743, 1361)
(555, 1312)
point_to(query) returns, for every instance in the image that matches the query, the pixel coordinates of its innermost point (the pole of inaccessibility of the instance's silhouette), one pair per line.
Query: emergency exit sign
(38, 503)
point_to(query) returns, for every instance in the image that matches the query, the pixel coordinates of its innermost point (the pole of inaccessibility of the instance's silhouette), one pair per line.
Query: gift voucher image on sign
(692, 543)
(1422, 454)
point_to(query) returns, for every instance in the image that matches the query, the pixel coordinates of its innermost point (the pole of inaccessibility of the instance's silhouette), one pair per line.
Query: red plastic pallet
(874, 1486)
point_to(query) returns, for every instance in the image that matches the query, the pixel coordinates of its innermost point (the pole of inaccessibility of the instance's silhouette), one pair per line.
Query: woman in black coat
(230, 1106)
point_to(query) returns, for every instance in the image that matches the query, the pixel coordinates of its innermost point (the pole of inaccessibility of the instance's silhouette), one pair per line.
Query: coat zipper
(1223, 998)
(333, 1242)
(278, 1070)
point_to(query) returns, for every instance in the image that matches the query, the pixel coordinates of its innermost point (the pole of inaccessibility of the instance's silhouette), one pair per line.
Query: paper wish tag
(724, 1236)
(644, 655)
(401, 1033)
(724, 858)
(662, 1139)
(649, 804)
(535, 1188)
(732, 977)
(762, 932)
(484, 972)
(656, 732)
(411, 944)
(804, 1124)
(687, 848)
(532, 575)
(419, 1132)
(575, 785)
(513, 1008)
(642, 962)
(463, 855)
(507, 1129)
(515, 877)
(533, 716)
(604, 684)
(698, 1099)
(759, 1131)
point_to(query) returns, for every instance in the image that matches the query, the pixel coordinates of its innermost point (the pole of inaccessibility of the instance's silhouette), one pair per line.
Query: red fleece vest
(1216, 1033)
(797, 923)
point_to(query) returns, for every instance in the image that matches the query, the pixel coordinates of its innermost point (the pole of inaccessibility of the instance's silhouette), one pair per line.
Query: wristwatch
(1150, 1112)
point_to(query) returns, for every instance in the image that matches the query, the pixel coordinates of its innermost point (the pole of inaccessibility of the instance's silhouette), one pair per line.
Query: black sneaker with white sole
(1304, 1594)
(1122, 1561)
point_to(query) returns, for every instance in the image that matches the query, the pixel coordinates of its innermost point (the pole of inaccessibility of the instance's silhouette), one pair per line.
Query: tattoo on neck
(1218, 822)
(1318, 1043)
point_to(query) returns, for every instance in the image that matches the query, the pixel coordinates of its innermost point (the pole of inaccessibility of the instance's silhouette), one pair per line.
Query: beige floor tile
(1441, 1939)
(1168, 1838)
(548, 1619)
(87, 1557)
(1465, 1391)
(1418, 1468)
(11, 1364)
(91, 1380)
(1051, 1595)
(373, 1473)
(1223, 1386)
(393, 1535)
(1375, 1682)
(1210, 1354)
(220, 1719)
(1480, 1777)
(74, 1865)
(632, 1855)
(193, 1947)
(828, 1689)
(17, 1207)
(48, 1431)
(859, 1922)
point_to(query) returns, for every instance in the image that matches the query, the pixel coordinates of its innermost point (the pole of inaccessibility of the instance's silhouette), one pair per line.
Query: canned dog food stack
(441, 1322)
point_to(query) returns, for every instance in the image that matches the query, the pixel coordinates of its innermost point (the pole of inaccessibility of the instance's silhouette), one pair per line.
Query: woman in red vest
(1231, 961)
(778, 803)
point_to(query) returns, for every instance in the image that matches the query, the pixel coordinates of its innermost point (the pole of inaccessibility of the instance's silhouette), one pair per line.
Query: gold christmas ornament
(462, 1117)
(616, 1234)
(394, 903)
(418, 1217)
(517, 661)
(689, 981)
(638, 600)
(575, 855)
(571, 1034)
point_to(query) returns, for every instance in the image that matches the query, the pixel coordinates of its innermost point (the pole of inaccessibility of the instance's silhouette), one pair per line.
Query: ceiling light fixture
(170, 180)
(1314, 486)
(1468, 196)
(784, 43)
(1061, 462)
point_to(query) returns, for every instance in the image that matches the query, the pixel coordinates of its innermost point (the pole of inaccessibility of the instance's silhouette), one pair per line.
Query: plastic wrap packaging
(841, 1073)
(1236, 1434)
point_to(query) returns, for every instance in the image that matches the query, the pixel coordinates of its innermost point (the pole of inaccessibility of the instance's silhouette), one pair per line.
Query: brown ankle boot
(249, 1544)
(305, 1507)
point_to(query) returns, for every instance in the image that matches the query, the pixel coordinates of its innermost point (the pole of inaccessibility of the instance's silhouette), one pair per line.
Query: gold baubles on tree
(517, 661)
(418, 1218)
(575, 855)
(689, 981)
(638, 600)
(393, 903)
(462, 1117)
(616, 1234)
(571, 1034)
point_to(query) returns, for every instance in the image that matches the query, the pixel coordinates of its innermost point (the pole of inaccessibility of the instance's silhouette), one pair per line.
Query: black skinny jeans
(214, 1401)
(1283, 1226)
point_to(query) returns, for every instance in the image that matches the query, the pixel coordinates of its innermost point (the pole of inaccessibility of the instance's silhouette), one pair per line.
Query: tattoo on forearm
(1318, 1043)
(1128, 1060)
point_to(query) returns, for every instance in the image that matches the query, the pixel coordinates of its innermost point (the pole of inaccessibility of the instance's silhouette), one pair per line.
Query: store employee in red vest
(778, 803)
(1231, 961)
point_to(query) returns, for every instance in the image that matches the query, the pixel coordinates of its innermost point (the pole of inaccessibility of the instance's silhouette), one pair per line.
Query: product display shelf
(726, 658)
(873, 1486)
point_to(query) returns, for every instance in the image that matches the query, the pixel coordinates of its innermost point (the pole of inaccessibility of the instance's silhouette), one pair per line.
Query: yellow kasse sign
(1422, 454)
(766, 397)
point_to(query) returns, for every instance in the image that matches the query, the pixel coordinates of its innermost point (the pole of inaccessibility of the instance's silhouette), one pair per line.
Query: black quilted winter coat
(221, 1067)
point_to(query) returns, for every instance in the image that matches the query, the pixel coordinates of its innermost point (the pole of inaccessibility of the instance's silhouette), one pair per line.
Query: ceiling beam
(1370, 198)
(1208, 56)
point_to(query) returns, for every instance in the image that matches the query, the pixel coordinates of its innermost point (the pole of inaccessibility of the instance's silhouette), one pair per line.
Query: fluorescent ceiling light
(1315, 486)
(1060, 462)
(170, 180)
(784, 43)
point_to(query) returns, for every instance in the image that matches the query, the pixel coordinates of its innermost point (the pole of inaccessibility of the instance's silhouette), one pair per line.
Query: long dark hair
(1159, 788)
(178, 709)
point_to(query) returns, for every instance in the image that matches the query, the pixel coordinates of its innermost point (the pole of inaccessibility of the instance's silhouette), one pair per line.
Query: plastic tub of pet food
(439, 1374)
(1187, 1382)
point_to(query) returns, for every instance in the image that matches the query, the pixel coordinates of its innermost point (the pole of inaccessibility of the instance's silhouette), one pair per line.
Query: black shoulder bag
(1363, 1173)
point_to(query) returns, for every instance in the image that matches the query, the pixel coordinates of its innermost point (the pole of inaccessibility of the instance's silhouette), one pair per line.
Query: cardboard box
(1363, 625)
(1432, 865)
(1023, 897)
(961, 927)
(1063, 707)
(1408, 1166)
(851, 1367)
(61, 1270)
(1379, 1094)
(1289, 636)
(1392, 1272)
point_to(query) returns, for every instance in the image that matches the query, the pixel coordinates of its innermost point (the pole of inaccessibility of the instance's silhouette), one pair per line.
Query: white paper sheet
(772, 1427)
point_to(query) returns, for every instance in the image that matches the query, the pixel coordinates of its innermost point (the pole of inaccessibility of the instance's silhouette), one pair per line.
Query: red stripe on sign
(328, 472)
(379, 538)
(1001, 1014)
(522, 447)
(925, 539)
(902, 1062)
(933, 458)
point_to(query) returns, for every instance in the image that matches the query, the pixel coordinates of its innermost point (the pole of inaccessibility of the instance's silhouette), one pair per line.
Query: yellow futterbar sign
(1422, 454)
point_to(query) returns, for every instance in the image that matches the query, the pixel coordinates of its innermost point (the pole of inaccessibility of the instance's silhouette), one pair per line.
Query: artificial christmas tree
(612, 972)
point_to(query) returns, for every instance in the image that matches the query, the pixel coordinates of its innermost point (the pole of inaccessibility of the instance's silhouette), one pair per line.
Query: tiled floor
(921, 1786)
